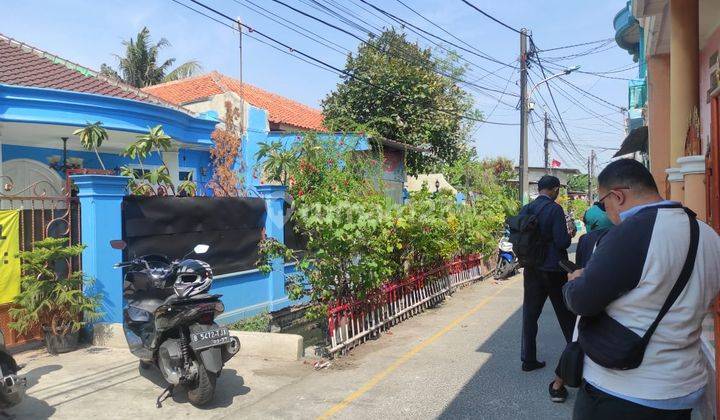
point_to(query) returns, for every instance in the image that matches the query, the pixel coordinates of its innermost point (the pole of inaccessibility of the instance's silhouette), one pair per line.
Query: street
(459, 360)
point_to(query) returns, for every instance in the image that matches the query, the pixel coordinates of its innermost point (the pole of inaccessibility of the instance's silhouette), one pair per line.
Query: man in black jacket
(548, 279)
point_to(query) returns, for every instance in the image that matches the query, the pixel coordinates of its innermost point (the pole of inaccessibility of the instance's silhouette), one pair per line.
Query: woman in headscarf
(597, 224)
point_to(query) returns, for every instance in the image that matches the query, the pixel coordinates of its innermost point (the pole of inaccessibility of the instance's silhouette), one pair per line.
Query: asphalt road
(460, 360)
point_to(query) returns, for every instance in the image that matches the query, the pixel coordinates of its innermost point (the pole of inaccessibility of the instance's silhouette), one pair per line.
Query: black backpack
(528, 244)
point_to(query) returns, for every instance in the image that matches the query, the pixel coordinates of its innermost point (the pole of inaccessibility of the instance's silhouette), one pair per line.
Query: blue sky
(90, 32)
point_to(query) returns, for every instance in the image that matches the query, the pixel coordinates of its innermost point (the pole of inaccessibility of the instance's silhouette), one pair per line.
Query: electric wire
(578, 45)
(487, 15)
(268, 14)
(588, 94)
(292, 51)
(373, 46)
(417, 28)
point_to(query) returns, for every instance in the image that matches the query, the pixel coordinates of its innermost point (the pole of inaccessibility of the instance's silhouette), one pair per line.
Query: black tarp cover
(174, 225)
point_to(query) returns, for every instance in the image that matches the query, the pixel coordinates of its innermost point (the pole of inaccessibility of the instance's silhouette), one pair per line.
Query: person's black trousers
(593, 404)
(539, 285)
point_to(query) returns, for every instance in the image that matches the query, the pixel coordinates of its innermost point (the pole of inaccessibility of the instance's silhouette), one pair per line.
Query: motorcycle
(507, 263)
(12, 387)
(169, 322)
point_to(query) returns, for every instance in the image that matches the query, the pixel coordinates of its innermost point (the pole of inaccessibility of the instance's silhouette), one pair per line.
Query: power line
(318, 61)
(487, 15)
(580, 105)
(405, 22)
(592, 95)
(578, 45)
(490, 114)
(373, 46)
(595, 50)
(552, 97)
(421, 33)
(282, 21)
(252, 37)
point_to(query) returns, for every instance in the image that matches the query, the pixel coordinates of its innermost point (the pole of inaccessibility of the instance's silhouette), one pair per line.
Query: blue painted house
(268, 117)
(44, 98)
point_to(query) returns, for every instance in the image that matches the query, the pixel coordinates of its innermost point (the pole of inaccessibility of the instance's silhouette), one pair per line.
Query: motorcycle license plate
(209, 338)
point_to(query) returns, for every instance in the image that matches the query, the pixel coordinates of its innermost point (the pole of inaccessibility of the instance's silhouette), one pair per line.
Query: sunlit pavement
(459, 360)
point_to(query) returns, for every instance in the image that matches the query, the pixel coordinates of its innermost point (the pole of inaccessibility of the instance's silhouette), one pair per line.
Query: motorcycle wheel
(202, 390)
(504, 270)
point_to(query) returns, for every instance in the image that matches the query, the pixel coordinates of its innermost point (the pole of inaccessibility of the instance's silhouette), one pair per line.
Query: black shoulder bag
(612, 345)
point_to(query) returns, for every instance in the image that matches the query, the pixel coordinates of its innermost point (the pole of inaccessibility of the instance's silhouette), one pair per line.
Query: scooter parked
(12, 388)
(169, 322)
(507, 262)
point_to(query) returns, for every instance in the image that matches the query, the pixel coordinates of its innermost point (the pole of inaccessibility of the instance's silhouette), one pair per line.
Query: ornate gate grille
(43, 213)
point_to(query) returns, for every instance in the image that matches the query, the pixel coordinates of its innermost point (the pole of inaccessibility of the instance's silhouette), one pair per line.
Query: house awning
(636, 141)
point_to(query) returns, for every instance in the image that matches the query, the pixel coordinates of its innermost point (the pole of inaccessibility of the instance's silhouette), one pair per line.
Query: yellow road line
(409, 355)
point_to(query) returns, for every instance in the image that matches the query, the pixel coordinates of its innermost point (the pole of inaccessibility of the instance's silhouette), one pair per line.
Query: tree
(92, 137)
(578, 182)
(396, 92)
(224, 154)
(139, 67)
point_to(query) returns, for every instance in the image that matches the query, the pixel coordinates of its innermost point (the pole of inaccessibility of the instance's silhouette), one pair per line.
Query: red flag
(555, 164)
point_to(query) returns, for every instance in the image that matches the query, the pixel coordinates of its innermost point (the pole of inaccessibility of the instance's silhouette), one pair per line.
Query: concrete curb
(252, 344)
(270, 345)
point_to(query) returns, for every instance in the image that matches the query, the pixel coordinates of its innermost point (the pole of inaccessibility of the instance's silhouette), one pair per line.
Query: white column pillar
(172, 161)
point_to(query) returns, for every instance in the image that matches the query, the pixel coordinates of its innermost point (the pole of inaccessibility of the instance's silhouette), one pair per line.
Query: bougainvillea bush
(357, 239)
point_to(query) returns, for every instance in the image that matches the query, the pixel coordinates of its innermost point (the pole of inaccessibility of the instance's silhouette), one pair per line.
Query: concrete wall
(658, 118)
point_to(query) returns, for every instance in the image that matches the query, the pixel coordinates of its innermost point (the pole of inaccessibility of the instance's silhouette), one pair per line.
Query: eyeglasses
(600, 203)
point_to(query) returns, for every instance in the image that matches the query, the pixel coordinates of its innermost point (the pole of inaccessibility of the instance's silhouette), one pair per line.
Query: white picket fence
(352, 324)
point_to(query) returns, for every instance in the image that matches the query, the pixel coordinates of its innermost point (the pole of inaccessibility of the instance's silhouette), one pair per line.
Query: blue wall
(195, 159)
(258, 131)
(246, 294)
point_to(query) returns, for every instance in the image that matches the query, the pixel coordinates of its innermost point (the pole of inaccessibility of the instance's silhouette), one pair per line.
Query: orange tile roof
(281, 110)
(25, 65)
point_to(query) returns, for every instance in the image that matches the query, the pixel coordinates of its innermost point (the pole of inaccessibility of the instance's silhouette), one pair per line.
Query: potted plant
(92, 137)
(52, 299)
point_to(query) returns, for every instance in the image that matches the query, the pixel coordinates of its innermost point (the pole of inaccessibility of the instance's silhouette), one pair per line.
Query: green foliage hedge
(356, 238)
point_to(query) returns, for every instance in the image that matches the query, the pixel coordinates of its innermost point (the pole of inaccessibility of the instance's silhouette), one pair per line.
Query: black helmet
(193, 277)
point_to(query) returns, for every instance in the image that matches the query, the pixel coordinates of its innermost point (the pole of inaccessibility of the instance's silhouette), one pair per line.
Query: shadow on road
(500, 389)
(229, 385)
(33, 376)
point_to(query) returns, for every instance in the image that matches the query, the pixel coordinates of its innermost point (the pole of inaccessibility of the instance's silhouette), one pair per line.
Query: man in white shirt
(629, 277)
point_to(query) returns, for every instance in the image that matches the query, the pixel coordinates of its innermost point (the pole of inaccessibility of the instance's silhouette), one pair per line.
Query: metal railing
(351, 324)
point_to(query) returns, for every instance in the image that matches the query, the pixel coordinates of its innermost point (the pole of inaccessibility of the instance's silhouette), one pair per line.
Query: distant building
(284, 120)
(537, 172)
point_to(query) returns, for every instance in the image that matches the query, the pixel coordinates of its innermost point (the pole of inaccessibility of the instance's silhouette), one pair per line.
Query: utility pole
(524, 110)
(591, 175)
(242, 96)
(546, 144)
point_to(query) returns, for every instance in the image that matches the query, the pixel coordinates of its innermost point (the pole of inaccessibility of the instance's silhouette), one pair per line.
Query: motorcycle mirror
(118, 244)
(201, 248)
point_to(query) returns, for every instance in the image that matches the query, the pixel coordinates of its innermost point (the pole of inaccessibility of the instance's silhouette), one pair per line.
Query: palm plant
(154, 141)
(140, 67)
(92, 137)
(277, 161)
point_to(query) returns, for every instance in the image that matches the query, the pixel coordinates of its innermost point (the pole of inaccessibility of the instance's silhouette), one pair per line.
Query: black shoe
(557, 395)
(530, 366)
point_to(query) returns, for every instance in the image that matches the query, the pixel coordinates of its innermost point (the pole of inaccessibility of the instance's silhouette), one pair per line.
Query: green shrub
(259, 323)
(50, 300)
(356, 238)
